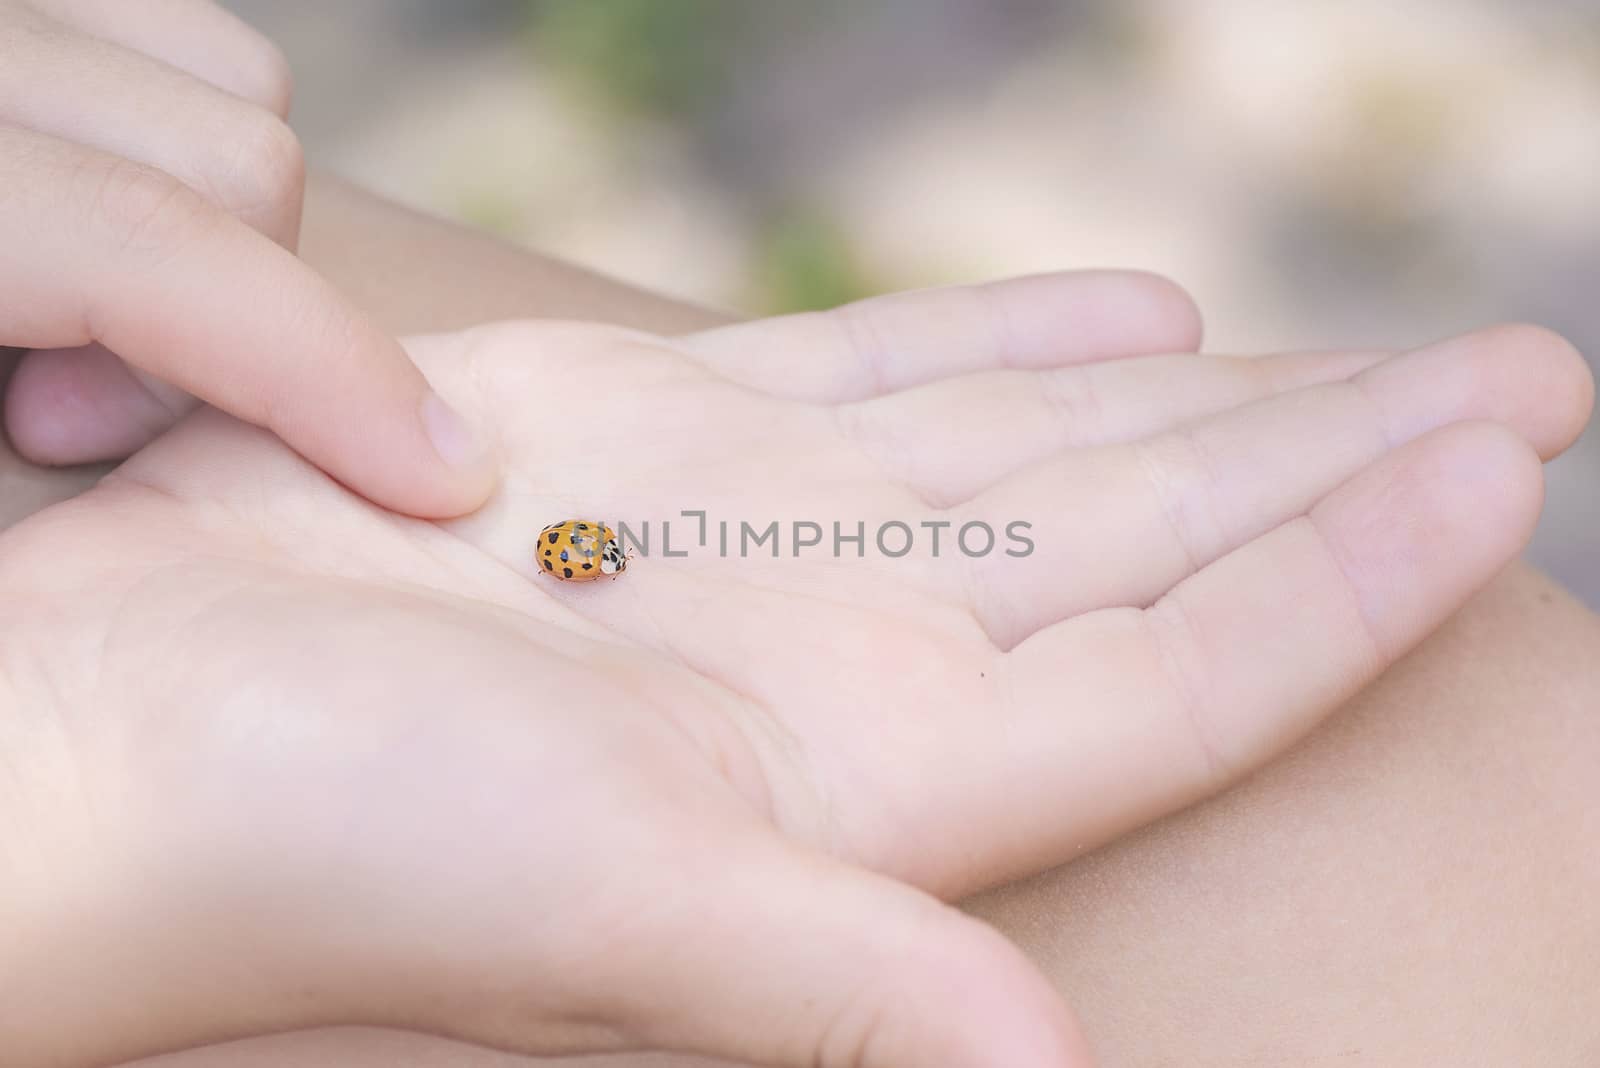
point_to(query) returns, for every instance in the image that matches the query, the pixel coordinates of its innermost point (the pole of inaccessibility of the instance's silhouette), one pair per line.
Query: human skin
(588, 299)
(1520, 653)
(152, 204)
(413, 275)
(1410, 885)
(217, 541)
(421, 275)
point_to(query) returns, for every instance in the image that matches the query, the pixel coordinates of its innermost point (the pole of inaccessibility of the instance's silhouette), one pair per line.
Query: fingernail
(454, 439)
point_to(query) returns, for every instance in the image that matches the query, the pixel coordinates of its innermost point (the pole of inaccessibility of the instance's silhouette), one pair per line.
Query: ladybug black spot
(563, 556)
(547, 552)
(553, 538)
(548, 566)
(588, 567)
(583, 526)
(567, 571)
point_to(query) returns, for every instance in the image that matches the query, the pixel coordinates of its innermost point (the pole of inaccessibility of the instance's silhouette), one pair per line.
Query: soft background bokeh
(1362, 173)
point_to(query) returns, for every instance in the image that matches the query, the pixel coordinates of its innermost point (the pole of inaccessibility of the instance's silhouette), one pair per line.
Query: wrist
(386, 259)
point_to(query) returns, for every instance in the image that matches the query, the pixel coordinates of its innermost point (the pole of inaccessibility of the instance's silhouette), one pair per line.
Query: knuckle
(1181, 662)
(1179, 473)
(1073, 396)
(262, 175)
(248, 63)
(141, 210)
(270, 77)
(857, 324)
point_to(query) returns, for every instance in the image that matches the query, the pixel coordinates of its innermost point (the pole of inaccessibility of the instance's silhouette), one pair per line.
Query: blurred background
(1356, 174)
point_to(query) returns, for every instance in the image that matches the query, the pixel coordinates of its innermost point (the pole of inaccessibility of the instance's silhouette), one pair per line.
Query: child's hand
(279, 759)
(149, 199)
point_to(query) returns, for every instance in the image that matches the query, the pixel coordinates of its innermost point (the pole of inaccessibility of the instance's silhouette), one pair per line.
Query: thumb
(195, 298)
(796, 959)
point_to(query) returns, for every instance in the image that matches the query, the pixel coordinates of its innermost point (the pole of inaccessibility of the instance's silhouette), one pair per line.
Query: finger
(196, 36)
(237, 154)
(161, 112)
(82, 405)
(889, 343)
(798, 960)
(24, 488)
(135, 260)
(993, 423)
(1122, 525)
(1166, 705)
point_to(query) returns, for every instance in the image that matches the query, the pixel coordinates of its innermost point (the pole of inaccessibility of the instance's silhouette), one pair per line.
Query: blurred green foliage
(669, 58)
(681, 62)
(805, 262)
(496, 211)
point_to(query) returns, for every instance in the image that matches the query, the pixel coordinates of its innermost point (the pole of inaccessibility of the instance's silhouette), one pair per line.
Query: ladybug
(578, 550)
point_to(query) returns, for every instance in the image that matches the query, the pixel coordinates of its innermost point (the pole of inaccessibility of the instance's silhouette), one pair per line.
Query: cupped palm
(322, 763)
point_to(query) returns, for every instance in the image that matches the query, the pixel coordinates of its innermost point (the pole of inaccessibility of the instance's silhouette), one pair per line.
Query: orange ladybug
(577, 550)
